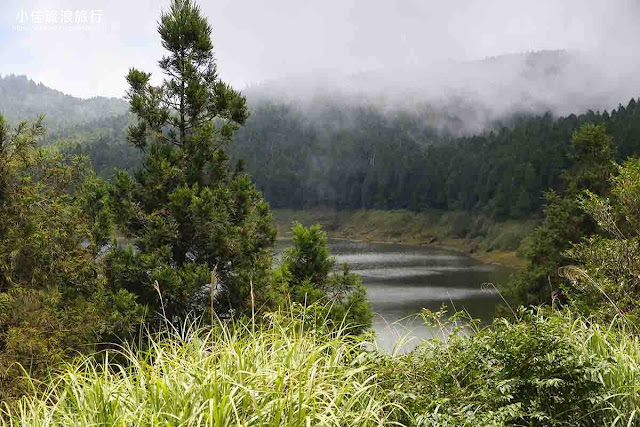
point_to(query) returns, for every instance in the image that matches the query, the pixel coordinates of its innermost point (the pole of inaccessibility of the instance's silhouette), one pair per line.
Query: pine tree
(309, 273)
(186, 211)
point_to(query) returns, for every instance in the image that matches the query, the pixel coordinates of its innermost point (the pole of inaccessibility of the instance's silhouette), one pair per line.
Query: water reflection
(401, 280)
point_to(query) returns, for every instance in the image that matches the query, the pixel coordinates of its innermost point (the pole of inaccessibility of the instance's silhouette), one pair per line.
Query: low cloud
(394, 54)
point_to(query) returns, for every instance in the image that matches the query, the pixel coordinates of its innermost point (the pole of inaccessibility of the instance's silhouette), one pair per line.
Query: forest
(364, 159)
(140, 285)
(346, 157)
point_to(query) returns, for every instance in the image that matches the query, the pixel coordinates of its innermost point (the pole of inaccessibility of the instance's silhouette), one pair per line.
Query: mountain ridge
(21, 98)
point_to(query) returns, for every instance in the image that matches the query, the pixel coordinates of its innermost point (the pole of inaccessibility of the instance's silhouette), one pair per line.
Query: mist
(466, 58)
(466, 97)
(461, 66)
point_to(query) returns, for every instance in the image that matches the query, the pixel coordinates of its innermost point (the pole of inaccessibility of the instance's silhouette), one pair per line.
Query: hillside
(361, 158)
(94, 127)
(23, 99)
(489, 138)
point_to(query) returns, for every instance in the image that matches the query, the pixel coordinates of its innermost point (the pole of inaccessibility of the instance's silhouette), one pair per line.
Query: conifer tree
(54, 224)
(186, 211)
(310, 276)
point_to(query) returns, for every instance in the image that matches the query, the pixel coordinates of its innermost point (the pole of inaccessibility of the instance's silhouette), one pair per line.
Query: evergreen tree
(308, 272)
(187, 212)
(54, 223)
(565, 221)
(604, 280)
(593, 158)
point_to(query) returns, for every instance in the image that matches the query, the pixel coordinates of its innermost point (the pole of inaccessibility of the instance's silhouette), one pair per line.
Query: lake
(402, 279)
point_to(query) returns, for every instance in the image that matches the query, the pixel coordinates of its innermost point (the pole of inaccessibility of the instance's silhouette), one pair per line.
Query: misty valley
(417, 220)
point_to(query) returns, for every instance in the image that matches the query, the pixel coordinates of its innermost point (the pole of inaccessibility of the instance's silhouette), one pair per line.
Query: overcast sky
(257, 40)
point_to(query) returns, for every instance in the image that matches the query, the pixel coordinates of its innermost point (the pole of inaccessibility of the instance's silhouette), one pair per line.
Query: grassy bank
(538, 369)
(482, 237)
(282, 370)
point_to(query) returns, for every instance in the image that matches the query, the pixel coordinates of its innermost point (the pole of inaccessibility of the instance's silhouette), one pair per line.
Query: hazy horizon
(288, 39)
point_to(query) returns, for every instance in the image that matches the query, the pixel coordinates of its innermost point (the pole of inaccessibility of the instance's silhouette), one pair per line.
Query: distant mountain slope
(23, 99)
(488, 135)
(94, 127)
(360, 158)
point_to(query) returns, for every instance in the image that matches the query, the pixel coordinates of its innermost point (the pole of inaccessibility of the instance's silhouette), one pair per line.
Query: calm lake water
(401, 280)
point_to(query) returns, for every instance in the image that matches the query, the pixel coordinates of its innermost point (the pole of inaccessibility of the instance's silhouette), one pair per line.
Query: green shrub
(54, 223)
(605, 279)
(307, 272)
(538, 371)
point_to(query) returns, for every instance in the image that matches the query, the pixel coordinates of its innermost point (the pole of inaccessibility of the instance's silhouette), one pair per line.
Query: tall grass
(543, 368)
(619, 349)
(282, 372)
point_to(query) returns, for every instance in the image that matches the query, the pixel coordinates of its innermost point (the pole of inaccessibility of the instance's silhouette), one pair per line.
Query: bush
(537, 371)
(605, 280)
(54, 224)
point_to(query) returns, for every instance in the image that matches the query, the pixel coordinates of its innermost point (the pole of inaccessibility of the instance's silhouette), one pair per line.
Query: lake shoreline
(499, 245)
(403, 280)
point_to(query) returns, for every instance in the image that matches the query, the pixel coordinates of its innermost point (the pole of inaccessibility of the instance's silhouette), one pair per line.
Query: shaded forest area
(364, 159)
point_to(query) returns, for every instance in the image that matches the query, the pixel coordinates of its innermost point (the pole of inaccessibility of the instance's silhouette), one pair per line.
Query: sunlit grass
(280, 373)
(620, 351)
(287, 370)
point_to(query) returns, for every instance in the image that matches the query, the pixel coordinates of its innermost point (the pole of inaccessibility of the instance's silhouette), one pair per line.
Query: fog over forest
(376, 94)
(474, 93)
(395, 55)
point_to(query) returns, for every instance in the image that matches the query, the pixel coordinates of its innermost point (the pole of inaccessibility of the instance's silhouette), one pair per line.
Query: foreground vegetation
(199, 235)
(288, 369)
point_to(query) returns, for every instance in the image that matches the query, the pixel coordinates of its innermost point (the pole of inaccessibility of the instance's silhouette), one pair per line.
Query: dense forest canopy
(361, 158)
